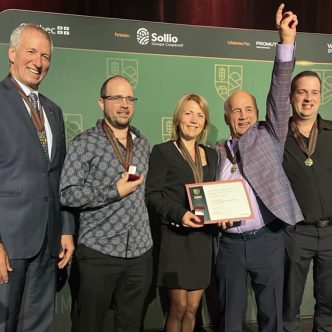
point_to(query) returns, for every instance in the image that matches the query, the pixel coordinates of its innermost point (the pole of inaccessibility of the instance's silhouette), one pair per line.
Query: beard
(117, 124)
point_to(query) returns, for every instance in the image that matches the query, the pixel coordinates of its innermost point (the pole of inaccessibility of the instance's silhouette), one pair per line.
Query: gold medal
(42, 137)
(309, 146)
(308, 162)
(233, 168)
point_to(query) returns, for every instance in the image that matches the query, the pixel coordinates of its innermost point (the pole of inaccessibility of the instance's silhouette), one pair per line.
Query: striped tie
(41, 133)
(34, 101)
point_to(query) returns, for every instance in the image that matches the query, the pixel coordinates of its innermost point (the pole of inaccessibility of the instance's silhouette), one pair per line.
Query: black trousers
(263, 259)
(104, 278)
(27, 302)
(305, 244)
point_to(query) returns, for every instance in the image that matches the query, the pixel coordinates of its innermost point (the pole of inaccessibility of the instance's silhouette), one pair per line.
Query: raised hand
(286, 23)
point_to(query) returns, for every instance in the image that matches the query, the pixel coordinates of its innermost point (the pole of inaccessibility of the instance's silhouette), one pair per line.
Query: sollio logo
(144, 38)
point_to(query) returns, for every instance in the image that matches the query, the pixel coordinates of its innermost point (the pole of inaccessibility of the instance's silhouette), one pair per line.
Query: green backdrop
(210, 61)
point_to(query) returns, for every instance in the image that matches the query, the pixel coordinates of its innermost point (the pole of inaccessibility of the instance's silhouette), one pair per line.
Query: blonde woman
(186, 247)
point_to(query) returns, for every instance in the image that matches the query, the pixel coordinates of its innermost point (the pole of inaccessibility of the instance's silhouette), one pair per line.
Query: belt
(246, 236)
(322, 223)
(273, 227)
(318, 224)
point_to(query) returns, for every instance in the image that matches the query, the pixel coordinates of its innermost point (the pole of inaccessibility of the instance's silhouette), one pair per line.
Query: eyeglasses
(119, 99)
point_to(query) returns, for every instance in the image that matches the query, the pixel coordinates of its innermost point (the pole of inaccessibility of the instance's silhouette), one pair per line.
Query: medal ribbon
(313, 137)
(196, 166)
(234, 159)
(125, 162)
(37, 117)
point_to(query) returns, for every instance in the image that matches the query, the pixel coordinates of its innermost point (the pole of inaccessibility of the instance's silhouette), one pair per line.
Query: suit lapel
(247, 142)
(22, 115)
(18, 107)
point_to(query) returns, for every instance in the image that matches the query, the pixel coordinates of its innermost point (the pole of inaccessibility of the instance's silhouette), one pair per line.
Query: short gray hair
(15, 37)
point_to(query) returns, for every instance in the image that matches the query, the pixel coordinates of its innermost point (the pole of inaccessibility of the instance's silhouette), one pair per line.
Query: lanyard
(196, 166)
(312, 142)
(37, 117)
(125, 161)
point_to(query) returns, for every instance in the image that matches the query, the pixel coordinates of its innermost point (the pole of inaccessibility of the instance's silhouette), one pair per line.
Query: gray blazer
(29, 186)
(262, 146)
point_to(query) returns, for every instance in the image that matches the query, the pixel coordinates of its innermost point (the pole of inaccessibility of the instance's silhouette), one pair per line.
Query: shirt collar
(324, 124)
(25, 89)
(233, 144)
(133, 131)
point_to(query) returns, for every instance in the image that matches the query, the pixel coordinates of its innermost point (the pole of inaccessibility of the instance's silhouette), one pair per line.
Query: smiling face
(240, 113)
(305, 98)
(192, 121)
(30, 59)
(118, 113)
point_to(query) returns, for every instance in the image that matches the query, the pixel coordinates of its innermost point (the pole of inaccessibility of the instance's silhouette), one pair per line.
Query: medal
(42, 137)
(234, 157)
(199, 212)
(308, 162)
(307, 147)
(132, 173)
(234, 168)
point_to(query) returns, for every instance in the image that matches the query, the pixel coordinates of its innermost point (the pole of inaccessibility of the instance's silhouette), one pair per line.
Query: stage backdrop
(163, 62)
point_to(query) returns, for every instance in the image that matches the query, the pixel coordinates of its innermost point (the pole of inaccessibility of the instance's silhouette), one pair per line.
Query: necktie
(235, 157)
(41, 133)
(34, 101)
(234, 145)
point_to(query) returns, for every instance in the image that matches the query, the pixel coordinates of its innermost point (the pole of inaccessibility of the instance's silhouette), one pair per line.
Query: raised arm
(278, 104)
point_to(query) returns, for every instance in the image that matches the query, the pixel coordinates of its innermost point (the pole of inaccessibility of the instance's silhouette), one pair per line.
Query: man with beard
(104, 179)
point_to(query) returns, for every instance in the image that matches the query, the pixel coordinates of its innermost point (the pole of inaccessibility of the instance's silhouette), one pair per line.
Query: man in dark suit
(253, 153)
(35, 235)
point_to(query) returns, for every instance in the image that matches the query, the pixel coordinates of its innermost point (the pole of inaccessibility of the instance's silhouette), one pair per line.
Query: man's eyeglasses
(119, 99)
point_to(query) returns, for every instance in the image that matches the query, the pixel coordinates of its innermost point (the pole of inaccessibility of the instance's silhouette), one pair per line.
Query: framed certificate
(220, 200)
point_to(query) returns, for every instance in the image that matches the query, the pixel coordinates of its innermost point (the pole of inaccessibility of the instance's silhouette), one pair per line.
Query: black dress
(185, 253)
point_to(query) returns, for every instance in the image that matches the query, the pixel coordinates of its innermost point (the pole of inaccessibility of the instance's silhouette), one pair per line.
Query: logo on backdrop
(227, 79)
(61, 30)
(267, 45)
(329, 48)
(166, 128)
(326, 78)
(56, 30)
(73, 125)
(124, 67)
(144, 37)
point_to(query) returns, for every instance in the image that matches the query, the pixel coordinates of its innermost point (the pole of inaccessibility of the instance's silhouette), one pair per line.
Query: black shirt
(312, 185)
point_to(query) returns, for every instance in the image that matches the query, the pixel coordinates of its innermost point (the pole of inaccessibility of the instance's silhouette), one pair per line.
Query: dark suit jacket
(262, 146)
(165, 183)
(29, 189)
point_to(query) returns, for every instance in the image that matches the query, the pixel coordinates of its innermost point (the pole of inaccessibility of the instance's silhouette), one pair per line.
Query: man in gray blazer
(35, 235)
(254, 153)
